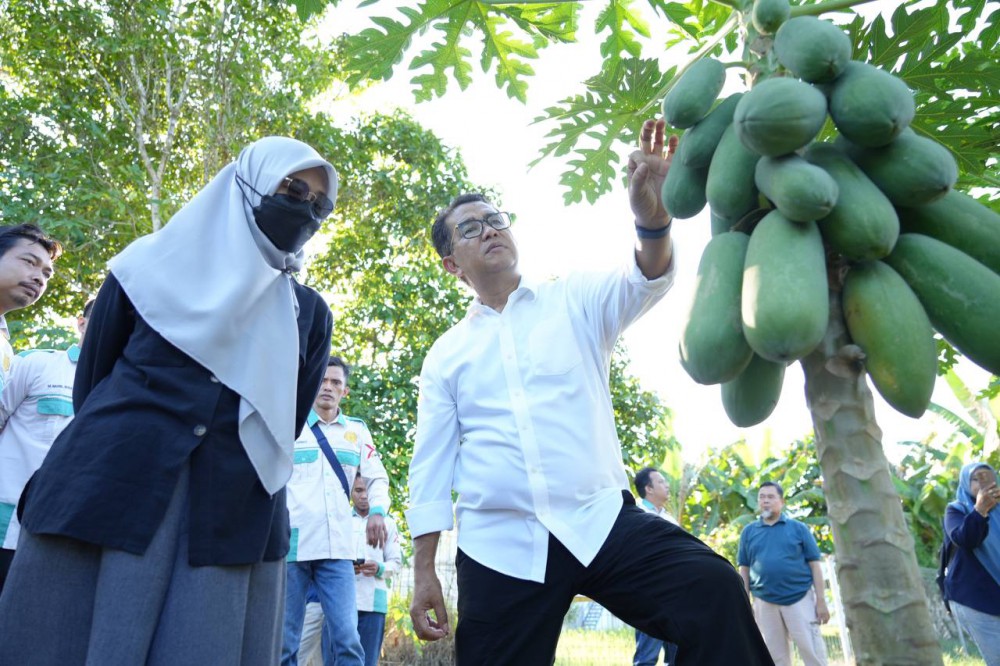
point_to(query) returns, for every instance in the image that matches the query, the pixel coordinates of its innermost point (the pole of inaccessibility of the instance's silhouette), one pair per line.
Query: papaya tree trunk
(883, 594)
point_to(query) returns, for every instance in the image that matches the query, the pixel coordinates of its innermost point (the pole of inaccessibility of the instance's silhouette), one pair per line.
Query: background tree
(955, 75)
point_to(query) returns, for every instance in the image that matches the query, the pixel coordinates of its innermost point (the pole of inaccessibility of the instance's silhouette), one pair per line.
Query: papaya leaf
(611, 109)
(622, 22)
(511, 37)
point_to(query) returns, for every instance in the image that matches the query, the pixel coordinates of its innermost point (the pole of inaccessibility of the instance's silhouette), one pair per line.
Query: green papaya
(712, 345)
(785, 299)
(869, 106)
(812, 49)
(911, 171)
(690, 99)
(779, 116)
(768, 15)
(699, 143)
(961, 296)
(960, 221)
(683, 191)
(730, 187)
(720, 225)
(863, 224)
(802, 191)
(753, 395)
(885, 319)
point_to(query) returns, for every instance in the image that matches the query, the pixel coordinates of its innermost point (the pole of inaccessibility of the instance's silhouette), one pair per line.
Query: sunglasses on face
(298, 190)
(474, 228)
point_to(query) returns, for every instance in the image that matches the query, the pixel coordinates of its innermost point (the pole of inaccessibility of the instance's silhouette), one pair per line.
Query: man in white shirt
(26, 256)
(35, 406)
(653, 492)
(329, 453)
(515, 415)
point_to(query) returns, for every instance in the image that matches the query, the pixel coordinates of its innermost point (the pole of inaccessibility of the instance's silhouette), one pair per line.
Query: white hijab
(215, 287)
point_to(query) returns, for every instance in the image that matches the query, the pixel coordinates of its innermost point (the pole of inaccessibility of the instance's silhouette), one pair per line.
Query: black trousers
(649, 572)
(6, 557)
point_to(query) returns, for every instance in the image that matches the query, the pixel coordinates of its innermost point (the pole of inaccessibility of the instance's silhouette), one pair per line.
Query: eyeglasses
(474, 228)
(298, 189)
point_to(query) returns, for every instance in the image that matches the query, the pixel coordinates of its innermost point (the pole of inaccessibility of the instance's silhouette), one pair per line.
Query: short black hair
(9, 236)
(340, 363)
(642, 480)
(88, 308)
(781, 493)
(440, 234)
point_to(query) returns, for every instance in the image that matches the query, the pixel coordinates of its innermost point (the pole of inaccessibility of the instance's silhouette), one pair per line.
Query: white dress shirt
(318, 509)
(515, 415)
(35, 406)
(6, 353)
(649, 507)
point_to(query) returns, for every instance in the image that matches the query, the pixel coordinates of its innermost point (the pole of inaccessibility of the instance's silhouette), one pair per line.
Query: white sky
(497, 140)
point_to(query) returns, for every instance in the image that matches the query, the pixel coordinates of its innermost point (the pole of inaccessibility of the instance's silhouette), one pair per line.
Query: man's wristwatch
(647, 233)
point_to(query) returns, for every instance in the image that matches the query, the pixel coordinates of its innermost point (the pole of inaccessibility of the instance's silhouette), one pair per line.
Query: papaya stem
(826, 6)
(717, 38)
(735, 64)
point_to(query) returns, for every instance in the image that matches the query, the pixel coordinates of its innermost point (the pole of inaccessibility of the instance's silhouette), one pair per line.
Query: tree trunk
(883, 593)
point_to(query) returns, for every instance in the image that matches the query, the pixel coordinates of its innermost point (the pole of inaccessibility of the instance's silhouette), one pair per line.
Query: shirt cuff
(376, 510)
(381, 570)
(664, 282)
(430, 517)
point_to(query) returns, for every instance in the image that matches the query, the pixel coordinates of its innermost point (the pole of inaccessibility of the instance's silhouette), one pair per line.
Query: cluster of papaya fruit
(878, 199)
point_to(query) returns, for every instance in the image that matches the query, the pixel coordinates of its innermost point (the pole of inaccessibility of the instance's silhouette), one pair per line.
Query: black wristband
(646, 233)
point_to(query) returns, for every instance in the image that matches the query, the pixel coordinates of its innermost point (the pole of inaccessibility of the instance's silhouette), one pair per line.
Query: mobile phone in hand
(358, 562)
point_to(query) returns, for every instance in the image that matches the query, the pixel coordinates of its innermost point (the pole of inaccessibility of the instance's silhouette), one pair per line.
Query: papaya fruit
(768, 15)
(730, 187)
(691, 98)
(863, 224)
(698, 144)
(912, 170)
(720, 225)
(712, 345)
(779, 116)
(885, 318)
(683, 191)
(812, 49)
(869, 106)
(785, 299)
(802, 191)
(753, 395)
(960, 221)
(960, 295)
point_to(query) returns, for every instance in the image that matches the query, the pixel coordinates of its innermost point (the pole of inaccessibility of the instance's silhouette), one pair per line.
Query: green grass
(583, 647)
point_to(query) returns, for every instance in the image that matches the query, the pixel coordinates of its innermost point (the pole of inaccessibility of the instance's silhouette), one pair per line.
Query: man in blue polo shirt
(779, 564)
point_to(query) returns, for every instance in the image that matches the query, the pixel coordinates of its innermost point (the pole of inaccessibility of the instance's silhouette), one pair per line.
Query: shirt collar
(73, 353)
(4, 331)
(526, 288)
(314, 418)
(781, 519)
(649, 505)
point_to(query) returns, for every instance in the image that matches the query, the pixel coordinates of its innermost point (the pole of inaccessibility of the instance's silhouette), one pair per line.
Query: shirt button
(213, 379)
(200, 430)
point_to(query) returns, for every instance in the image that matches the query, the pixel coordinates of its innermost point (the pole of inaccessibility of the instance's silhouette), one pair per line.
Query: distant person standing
(653, 492)
(36, 405)
(26, 256)
(373, 576)
(972, 584)
(779, 562)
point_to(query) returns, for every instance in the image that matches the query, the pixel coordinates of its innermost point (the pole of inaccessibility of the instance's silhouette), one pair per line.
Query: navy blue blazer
(144, 410)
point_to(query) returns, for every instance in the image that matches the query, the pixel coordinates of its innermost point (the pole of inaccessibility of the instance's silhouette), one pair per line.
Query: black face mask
(287, 223)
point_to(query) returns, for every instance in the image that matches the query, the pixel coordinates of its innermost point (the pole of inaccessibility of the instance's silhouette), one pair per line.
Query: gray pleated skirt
(67, 603)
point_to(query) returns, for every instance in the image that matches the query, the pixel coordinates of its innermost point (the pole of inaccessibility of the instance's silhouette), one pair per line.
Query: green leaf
(611, 110)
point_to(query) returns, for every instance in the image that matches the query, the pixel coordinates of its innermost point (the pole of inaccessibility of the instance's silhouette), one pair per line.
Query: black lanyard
(331, 457)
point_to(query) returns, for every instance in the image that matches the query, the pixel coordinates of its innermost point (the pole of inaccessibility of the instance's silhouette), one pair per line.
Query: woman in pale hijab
(972, 584)
(156, 530)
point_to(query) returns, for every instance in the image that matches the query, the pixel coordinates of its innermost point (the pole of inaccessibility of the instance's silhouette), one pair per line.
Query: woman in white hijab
(156, 530)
